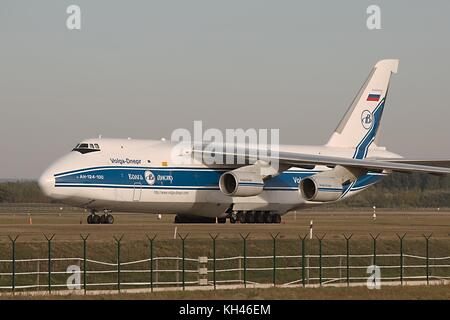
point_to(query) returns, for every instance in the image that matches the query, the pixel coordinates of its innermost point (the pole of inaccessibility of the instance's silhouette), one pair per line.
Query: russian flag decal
(374, 95)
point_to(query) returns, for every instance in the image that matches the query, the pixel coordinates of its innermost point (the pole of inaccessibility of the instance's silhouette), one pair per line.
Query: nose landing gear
(105, 218)
(93, 218)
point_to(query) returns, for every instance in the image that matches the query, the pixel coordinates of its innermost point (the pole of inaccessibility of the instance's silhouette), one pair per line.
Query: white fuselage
(138, 176)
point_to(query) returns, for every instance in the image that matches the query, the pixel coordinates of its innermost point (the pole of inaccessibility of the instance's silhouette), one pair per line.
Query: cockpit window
(86, 147)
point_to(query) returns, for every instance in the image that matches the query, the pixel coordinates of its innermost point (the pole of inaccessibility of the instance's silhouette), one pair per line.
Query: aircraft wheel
(96, 219)
(267, 217)
(233, 219)
(103, 219)
(89, 219)
(250, 217)
(241, 217)
(276, 218)
(221, 220)
(109, 219)
(259, 217)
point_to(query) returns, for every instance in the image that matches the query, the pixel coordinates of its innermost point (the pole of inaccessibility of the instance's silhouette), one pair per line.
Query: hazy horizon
(142, 69)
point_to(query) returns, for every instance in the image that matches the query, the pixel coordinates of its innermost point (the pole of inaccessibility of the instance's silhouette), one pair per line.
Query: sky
(141, 69)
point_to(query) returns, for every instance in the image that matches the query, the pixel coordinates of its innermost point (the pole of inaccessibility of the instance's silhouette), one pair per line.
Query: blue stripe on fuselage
(182, 178)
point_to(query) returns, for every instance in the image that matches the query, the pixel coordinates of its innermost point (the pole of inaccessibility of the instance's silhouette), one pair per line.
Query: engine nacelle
(323, 189)
(241, 183)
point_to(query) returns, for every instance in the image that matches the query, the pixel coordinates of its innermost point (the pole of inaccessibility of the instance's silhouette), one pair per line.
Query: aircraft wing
(304, 160)
(444, 163)
(368, 164)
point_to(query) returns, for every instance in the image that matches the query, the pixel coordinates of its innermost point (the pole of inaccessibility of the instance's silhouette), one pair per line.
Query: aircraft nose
(47, 183)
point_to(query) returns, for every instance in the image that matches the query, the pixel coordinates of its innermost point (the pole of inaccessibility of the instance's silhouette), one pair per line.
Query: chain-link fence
(54, 264)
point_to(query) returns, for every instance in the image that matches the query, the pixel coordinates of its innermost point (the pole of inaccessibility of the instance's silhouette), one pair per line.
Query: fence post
(347, 240)
(118, 241)
(49, 241)
(183, 258)
(401, 256)
(274, 238)
(244, 238)
(84, 238)
(13, 248)
(151, 239)
(427, 239)
(214, 237)
(303, 258)
(320, 257)
(374, 239)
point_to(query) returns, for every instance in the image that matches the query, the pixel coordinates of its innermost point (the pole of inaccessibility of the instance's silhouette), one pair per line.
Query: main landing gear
(255, 217)
(105, 218)
(235, 216)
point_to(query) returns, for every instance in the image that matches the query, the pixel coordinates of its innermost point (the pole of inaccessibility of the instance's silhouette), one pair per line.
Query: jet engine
(241, 183)
(320, 188)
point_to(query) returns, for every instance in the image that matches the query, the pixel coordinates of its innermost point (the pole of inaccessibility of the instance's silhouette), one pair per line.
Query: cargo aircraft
(112, 175)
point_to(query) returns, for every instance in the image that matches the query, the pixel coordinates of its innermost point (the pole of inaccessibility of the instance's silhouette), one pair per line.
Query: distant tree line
(21, 192)
(395, 191)
(404, 191)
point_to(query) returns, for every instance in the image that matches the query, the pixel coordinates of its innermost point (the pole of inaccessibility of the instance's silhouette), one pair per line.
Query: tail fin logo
(149, 177)
(366, 119)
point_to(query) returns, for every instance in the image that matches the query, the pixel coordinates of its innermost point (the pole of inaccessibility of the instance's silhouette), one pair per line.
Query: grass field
(438, 292)
(135, 226)
(68, 226)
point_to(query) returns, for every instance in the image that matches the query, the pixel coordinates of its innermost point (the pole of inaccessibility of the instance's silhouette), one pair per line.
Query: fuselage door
(137, 190)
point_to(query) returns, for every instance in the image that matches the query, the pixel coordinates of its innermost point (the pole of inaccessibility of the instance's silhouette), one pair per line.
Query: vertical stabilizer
(359, 126)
